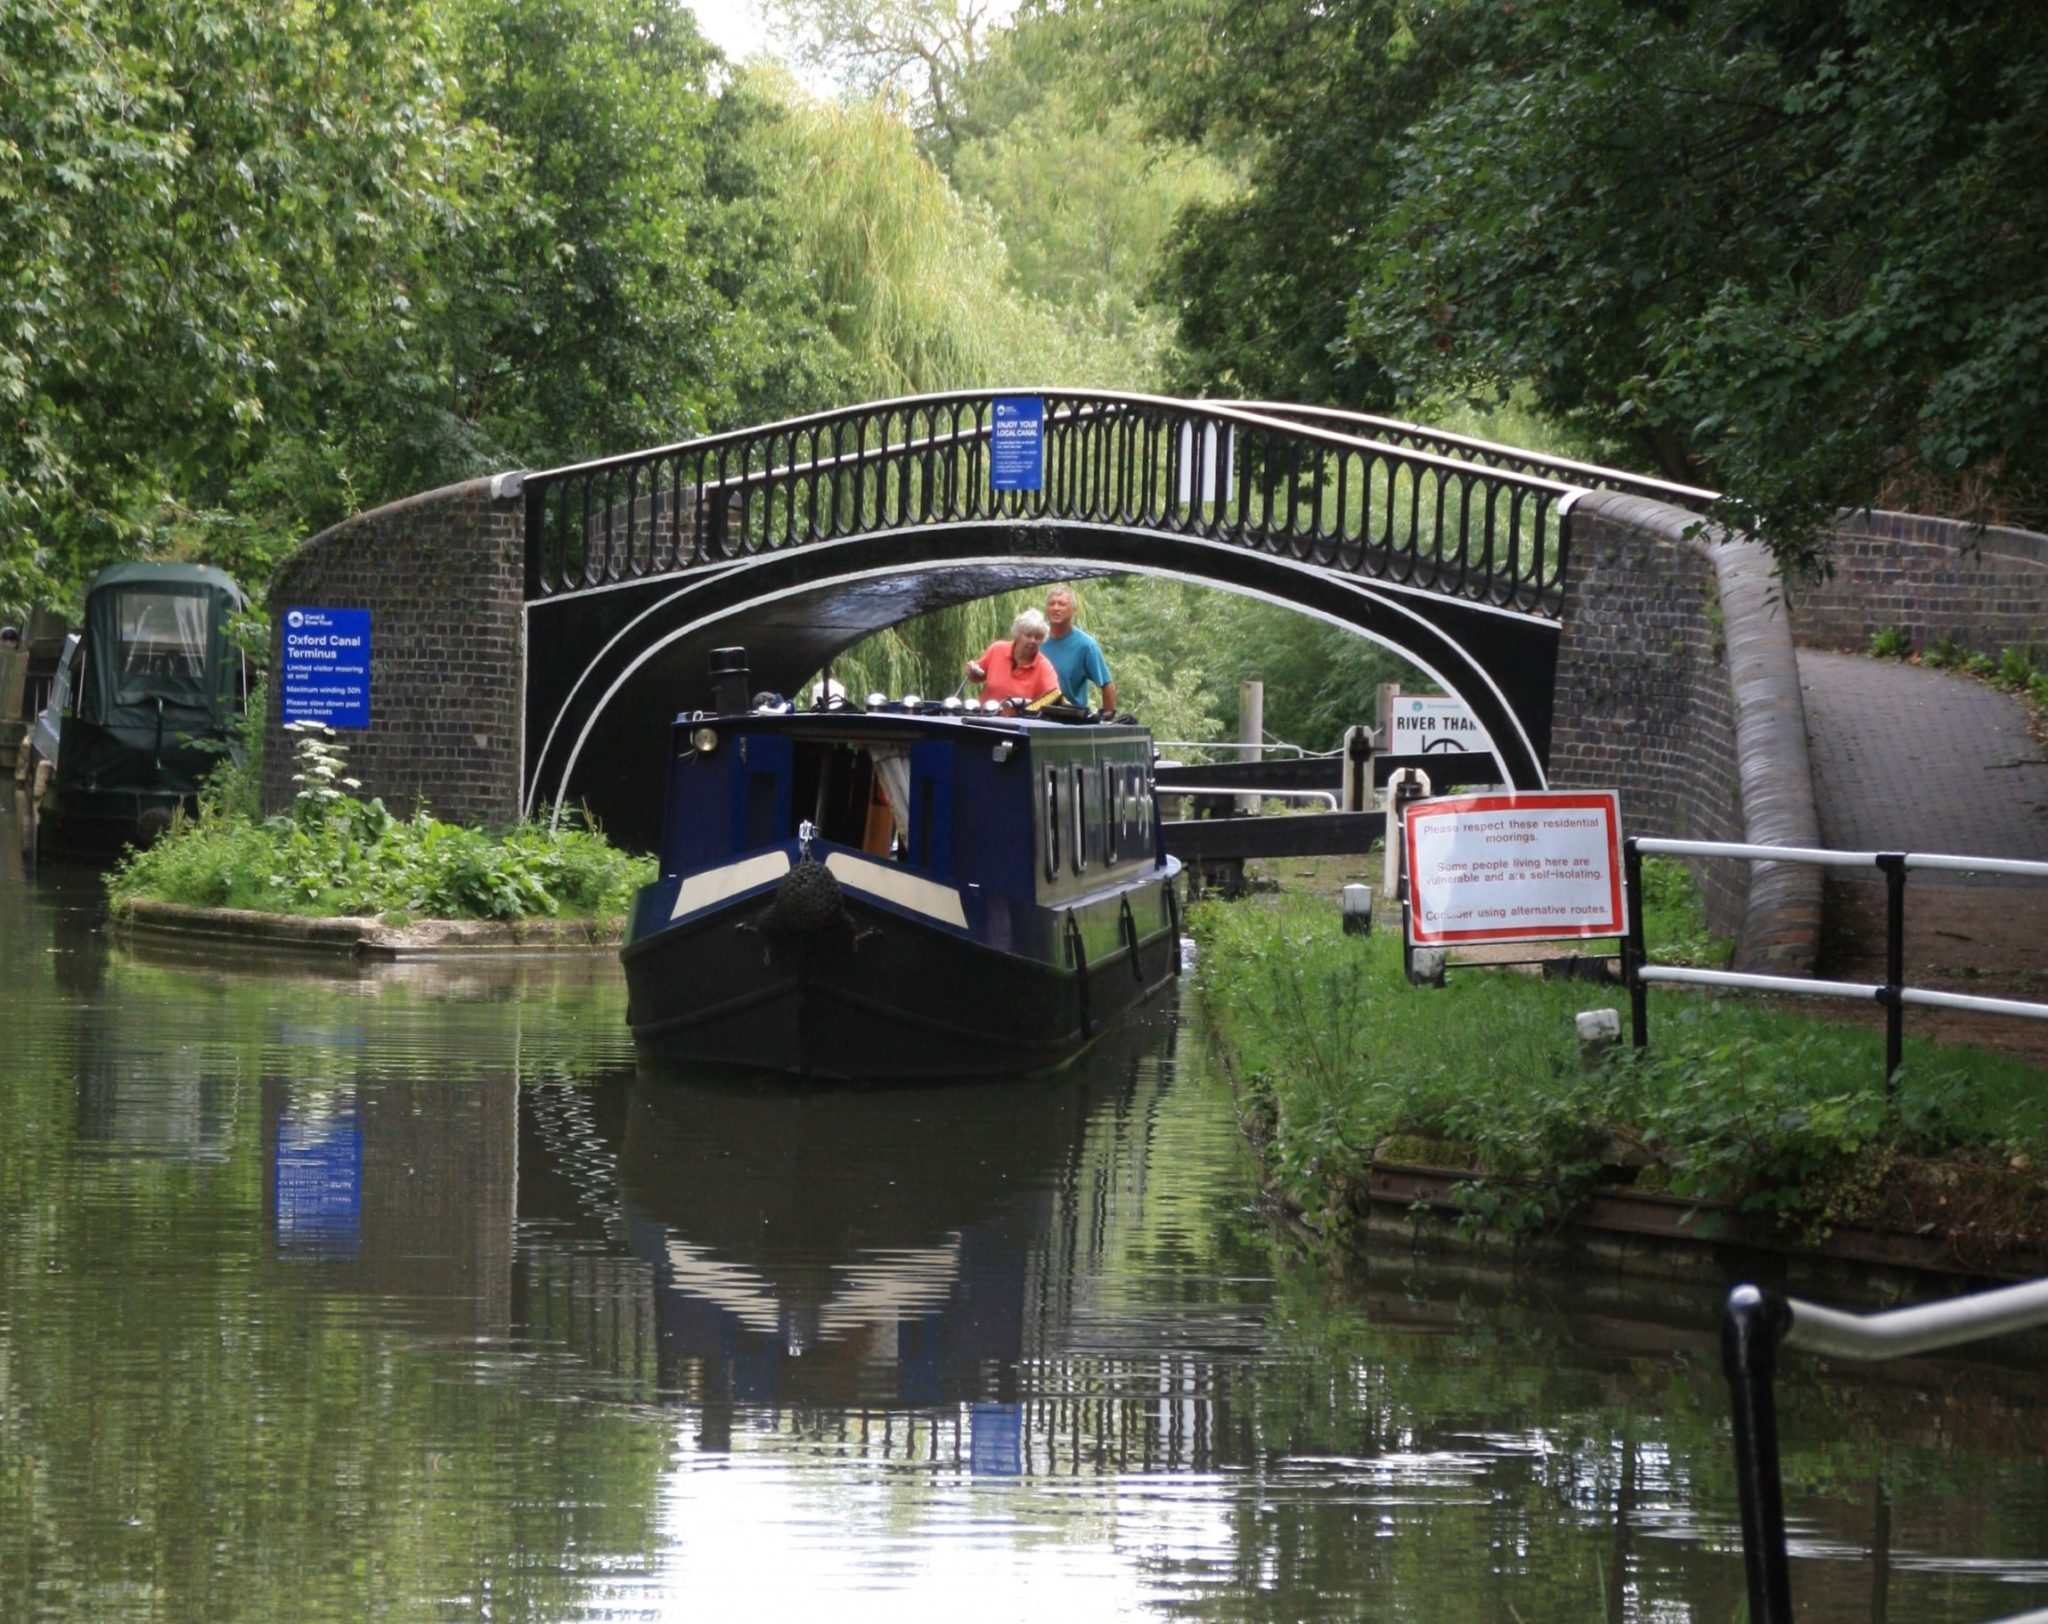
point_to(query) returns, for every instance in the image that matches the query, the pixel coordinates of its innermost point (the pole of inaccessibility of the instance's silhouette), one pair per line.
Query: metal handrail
(1466, 448)
(1893, 993)
(1301, 489)
(1326, 796)
(1942, 862)
(1301, 752)
(1756, 1322)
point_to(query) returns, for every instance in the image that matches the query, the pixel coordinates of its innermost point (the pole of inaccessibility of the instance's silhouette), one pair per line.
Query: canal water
(403, 1294)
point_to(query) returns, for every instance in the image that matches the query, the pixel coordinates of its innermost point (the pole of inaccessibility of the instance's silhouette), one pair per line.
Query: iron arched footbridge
(799, 538)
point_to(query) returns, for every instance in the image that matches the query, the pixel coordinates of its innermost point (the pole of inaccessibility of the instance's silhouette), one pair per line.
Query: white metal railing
(1892, 992)
(1326, 796)
(1755, 1323)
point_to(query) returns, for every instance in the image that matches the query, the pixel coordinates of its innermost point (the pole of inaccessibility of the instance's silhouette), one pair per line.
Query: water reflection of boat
(815, 1247)
(899, 891)
(142, 708)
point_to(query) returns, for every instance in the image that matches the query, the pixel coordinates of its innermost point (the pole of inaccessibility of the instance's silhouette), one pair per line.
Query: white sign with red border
(1520, 866)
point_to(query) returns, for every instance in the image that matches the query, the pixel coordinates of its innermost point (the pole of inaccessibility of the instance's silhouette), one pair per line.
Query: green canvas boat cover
(161, 683)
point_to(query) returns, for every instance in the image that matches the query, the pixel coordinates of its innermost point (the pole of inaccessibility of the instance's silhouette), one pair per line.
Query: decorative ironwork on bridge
(1437, 513)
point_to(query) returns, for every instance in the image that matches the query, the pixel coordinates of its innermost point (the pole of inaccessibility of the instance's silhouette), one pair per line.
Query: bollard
(1426, 967)
(1357, 910)
(1599, 1031)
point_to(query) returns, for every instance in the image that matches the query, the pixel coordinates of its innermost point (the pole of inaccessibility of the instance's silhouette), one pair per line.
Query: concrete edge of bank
(364, 937)
(1648, 1235)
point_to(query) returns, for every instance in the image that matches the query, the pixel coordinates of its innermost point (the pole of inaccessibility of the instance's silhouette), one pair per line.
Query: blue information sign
(326, 676)
(1016, 455)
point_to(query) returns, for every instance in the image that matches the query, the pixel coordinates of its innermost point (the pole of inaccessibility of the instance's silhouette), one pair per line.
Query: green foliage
(1675, 918)
(1781, 1114)
(2015, 671)
(1943, 653)
(1309, 105)
(633, 287)
(1203, 643)
(1889, 643)
(210, 216)
(262, 267)
(1792, 253)
(335, 854)
(1084, 205)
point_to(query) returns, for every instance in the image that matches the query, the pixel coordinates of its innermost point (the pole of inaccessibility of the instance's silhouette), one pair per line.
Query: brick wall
(442, 576)
(1988, 589)
(1677, 685)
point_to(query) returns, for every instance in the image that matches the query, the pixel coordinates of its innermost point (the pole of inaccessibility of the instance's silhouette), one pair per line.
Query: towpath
(1909, 759)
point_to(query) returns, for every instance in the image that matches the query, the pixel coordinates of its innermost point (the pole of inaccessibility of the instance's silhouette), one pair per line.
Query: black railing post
(536, 535)
(1893, 863)
(1752, 1325)
(1632, 949)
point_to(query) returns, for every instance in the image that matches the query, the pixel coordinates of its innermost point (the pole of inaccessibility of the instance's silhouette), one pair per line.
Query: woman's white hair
(1031, 621)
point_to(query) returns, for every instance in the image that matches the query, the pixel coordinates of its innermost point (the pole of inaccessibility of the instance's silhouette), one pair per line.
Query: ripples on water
(404, 1294)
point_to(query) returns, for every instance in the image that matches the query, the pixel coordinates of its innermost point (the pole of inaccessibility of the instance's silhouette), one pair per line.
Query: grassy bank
(1339, 1063)
(336, 855)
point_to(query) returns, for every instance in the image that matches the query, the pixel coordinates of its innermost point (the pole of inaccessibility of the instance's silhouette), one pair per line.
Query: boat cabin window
(1078, 798)
(1113, 795)
(163, 645)
(1049, 811)
(1092, 812)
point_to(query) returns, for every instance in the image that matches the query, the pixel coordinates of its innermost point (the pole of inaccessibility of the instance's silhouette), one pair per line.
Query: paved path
(1906, 759)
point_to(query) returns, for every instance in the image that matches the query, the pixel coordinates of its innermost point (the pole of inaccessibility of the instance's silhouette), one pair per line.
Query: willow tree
(914, 285)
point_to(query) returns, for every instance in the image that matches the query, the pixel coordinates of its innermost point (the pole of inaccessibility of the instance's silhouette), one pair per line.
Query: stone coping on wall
(1998, 541)
(364, 936)
(1782, 920)
(488, 487)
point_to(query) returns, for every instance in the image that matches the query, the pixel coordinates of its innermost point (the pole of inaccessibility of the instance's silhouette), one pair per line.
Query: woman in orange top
(1013, 668)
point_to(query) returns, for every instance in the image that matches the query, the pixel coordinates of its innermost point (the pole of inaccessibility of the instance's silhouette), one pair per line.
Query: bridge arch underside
(609, 669)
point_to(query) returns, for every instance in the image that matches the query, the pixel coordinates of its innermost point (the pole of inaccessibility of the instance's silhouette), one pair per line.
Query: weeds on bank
(2016, 671)
(1340, 1062)
(334, 853)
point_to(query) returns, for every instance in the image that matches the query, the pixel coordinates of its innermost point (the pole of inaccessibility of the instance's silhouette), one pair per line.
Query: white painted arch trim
(1389, 594)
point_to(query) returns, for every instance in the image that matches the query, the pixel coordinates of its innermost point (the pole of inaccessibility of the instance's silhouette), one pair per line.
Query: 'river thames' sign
(326, 667)
(1517, 867)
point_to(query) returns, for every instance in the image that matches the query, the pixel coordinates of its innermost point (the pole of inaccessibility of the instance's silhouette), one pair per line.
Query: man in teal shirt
(1075, 656)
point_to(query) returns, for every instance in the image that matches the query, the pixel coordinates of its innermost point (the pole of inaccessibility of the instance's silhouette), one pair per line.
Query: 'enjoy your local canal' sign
(1016, 444)
(326, 667)
(1525, 866)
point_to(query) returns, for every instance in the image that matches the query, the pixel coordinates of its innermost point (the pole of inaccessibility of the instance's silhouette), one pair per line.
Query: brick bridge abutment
(1678, 685)
(443, 575)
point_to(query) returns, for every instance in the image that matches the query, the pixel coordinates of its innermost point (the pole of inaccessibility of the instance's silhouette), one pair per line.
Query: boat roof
(927, 719)
(139, 574)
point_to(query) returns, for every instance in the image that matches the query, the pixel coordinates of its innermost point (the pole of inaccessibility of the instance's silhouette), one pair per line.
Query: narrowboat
(898, 890)
(144, 705)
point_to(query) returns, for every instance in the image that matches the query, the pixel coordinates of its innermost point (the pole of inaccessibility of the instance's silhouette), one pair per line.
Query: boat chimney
(729, 681)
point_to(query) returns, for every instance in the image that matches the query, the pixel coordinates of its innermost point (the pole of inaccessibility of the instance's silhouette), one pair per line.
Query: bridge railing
(1218, 473)
(1489, 453)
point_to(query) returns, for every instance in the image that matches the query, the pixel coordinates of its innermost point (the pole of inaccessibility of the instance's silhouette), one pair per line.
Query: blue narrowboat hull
(897, 977)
